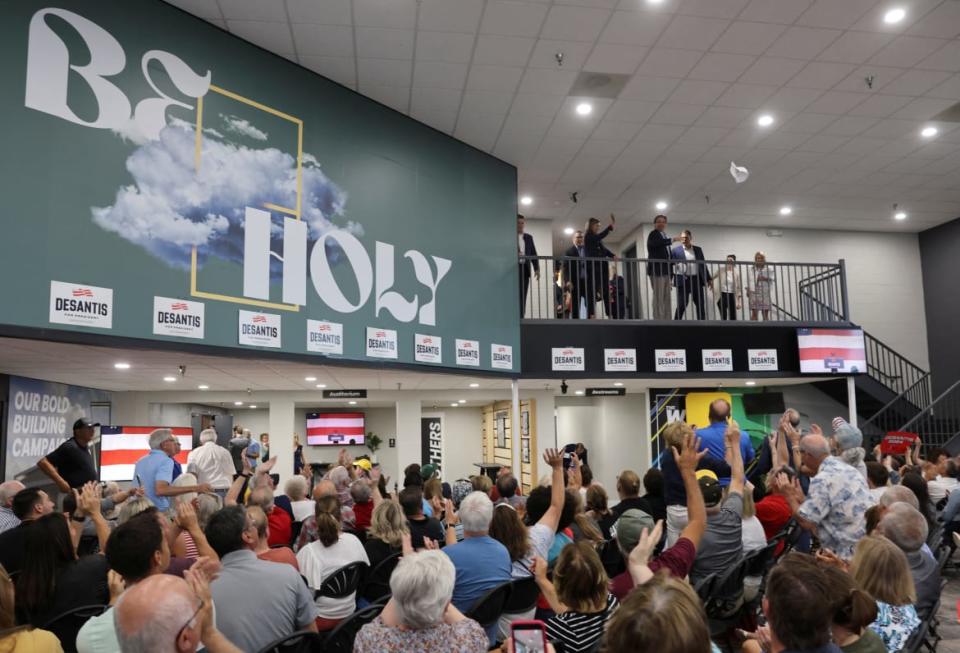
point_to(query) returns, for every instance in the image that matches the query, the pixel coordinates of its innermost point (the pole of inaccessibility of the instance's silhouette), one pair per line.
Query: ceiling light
(238, 403)
(662, 206)
(654, 2)
(352, 403)
(751, 383)
(203, 387)
(785, 210)
(899, 215)
(929, 132)
(461, 401)
(584, 109)
(321, 385)
(526, 200)
(121, 366)
(765, 120)
(454, 405)
(310, 379)
(578, 392)
(619, 384)
(169, 379)
(569, 231)
(252, 406)
(474, 385)
(894, 16)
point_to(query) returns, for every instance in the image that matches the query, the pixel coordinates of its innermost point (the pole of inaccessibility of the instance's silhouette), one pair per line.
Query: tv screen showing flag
(335, 429)
(832, 351)
(122, 446)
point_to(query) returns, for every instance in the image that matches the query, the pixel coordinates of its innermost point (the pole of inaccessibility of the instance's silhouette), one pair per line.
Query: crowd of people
(833, 543)
(588, 274)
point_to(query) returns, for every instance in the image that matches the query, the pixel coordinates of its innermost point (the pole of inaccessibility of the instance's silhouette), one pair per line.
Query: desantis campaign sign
(832, 351)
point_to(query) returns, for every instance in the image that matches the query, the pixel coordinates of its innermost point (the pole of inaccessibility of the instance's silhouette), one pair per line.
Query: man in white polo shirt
(212, 463)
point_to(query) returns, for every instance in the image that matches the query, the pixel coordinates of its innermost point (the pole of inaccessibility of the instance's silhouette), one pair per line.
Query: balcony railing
(570, 288)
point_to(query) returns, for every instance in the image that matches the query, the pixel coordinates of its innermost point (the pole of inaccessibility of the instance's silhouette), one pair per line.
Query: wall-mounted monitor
(335, 429)
(122, 446)
(832, 351)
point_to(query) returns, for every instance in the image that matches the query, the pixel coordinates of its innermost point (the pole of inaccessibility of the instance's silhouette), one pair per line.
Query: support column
(515, 430)
(852, 400)
(282, 428)
(408, 436)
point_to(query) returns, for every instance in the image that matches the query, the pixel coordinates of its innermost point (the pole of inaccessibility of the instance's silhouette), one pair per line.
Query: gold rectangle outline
(267, 205)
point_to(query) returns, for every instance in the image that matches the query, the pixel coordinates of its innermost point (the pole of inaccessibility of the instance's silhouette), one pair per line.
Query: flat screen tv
(832, 351)
(122, 446)
(335, 429)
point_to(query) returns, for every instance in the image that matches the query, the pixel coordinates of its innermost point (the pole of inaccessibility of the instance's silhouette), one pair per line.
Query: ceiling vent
(951, 114)
(599, 85)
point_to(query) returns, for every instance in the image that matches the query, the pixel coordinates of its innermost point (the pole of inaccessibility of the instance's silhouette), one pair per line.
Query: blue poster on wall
(40, 416)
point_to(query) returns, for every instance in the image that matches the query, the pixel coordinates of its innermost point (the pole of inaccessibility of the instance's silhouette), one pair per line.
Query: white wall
(884, 280)
(462, 441)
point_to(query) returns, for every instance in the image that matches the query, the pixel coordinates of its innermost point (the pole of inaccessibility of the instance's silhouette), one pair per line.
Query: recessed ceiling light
(584, 109)
(899, 215)
(654, 2)
(310, 379)
(929, 132)
(454, 405)
(662, 206)
(238, 403)
(352, 403)
(461, 401)
(569, 231)
(121, 366)
(765, 120)
(785, 210)
(321, 385)
(751, 383)
(526, 200)
(894, 16)
(578, 392)
(474, 385)
(169, 379)
(203, 387)
(252, 406)
(618, 384)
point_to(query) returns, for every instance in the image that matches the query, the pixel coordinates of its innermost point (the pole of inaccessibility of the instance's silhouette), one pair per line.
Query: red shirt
(281, 526)
(678, 560)
(280, 554)
(774, 513)
(363, 513)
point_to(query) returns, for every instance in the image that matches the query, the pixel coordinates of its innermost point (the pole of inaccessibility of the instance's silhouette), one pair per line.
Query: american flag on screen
(122, 446)
(832, 350)
(335, 428)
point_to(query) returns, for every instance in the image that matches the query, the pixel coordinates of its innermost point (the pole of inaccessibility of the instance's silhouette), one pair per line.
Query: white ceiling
(701, 72)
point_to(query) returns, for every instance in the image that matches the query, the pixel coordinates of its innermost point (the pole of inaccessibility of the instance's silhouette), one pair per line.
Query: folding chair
(340, 639)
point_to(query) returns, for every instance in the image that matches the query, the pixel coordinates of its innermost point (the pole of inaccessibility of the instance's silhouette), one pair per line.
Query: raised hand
(451, 516)
(553, 457)
(186, 516)
(406, 544)
(687, 458)
(732, 435)
(648, 542)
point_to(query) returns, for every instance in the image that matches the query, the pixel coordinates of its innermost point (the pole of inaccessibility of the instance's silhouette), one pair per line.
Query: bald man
(164, 614)
(8, 490)
(712, 437)
(837, 500)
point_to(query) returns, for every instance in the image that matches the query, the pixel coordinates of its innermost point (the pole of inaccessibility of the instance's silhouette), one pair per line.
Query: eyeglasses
(190, 620)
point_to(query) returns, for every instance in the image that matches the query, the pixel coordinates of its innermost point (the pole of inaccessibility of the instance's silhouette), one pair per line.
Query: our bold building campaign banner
(176, 183)
(40, 416)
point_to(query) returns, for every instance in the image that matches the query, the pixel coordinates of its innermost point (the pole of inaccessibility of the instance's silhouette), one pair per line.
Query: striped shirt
(580, 631)
(7, 519)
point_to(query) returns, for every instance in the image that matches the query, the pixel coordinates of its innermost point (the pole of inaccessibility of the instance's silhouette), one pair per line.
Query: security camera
(564, 387)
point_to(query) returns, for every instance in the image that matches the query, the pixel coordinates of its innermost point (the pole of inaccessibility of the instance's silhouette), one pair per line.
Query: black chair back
(726, 594)
(343, 582)
(302, 641)
(67, 624)
(340, 639)
(703, 586)
(377, 583)
(523, 596)
(917, 638)
(612, 559)
(489, 607)
(761, 560)
(295, 529)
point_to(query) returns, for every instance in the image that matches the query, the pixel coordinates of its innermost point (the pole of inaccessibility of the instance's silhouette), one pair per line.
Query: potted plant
(373, 443)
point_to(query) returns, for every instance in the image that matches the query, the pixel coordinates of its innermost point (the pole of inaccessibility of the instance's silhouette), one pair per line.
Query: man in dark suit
(690, 276)
(658, 249)
(575, 273)
(525, 247)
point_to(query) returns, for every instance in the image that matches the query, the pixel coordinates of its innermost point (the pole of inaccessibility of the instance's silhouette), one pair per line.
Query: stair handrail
(900, 396)
(931, 406)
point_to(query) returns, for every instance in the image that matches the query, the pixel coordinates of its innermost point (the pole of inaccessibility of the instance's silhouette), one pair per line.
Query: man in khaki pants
(658, 249)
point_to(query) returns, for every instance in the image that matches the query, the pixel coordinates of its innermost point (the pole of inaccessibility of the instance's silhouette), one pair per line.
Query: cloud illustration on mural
(169, 208)
(242, 127)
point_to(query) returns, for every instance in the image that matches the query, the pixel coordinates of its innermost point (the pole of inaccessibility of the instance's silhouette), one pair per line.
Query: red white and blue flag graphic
(122, 446)
(335, 428)
(832, 351)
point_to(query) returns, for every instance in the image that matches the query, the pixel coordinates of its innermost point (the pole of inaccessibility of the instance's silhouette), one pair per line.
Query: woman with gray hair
(419, 615)
(296, 488)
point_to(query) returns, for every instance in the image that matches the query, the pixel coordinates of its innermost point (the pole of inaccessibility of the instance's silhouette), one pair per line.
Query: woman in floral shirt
(880, 568)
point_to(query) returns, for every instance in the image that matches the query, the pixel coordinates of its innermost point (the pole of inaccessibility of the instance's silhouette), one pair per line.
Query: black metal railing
(907, 405)
(571, 287)
(895, 372)
(938, 422)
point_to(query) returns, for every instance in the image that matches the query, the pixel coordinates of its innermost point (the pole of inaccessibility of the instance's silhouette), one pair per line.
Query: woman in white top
(296, 489)
(332, 550)
(753, 539)
(761, 284)
(728, 289)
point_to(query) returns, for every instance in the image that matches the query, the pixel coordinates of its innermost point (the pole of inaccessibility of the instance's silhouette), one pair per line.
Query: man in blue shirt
(481, 562)
(711, 437)
(154, 472)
